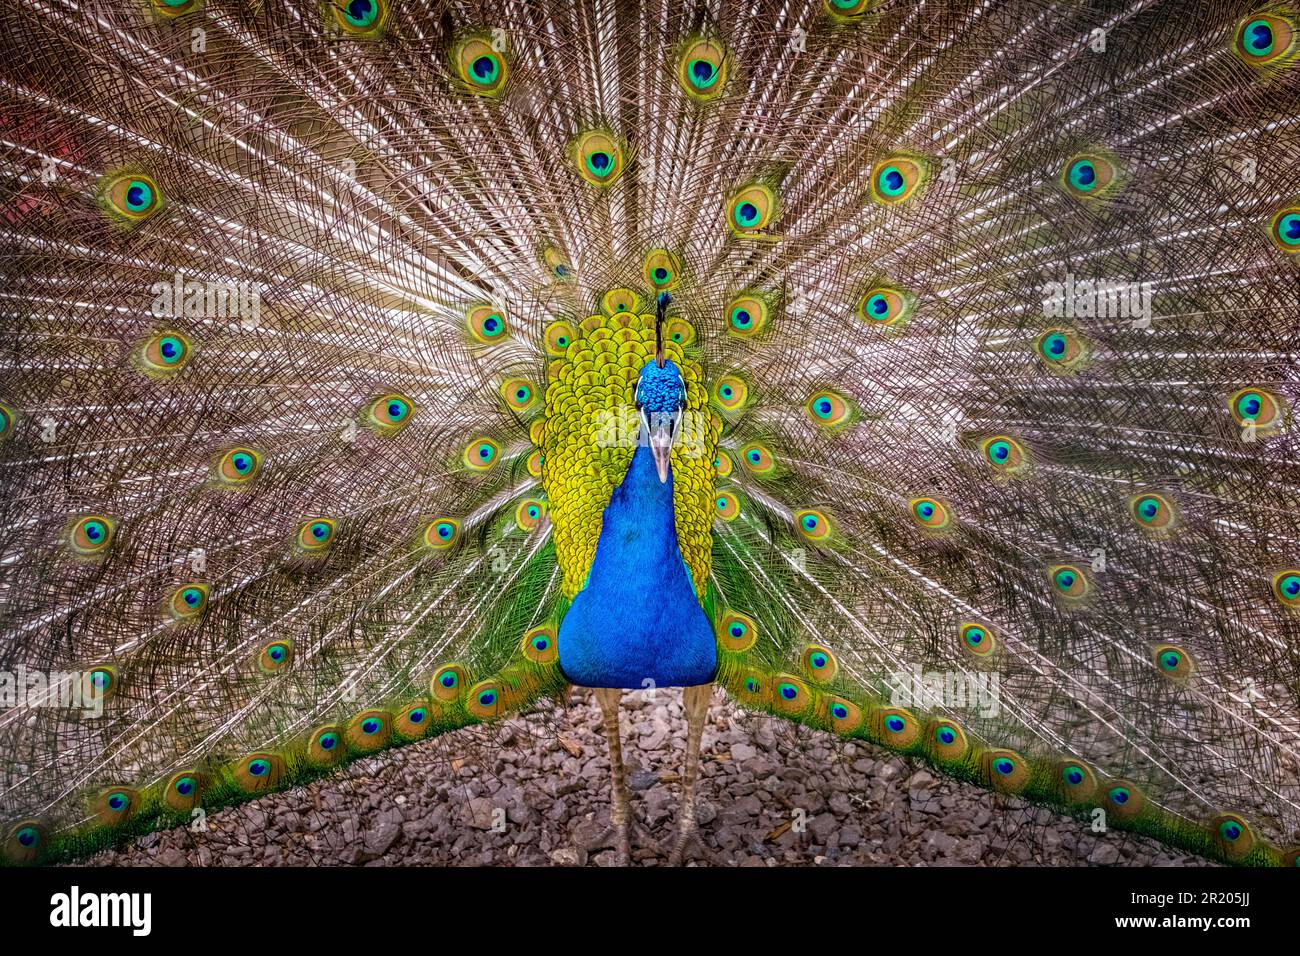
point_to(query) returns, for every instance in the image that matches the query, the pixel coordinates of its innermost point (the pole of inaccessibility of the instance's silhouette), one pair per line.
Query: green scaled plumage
(994, 307)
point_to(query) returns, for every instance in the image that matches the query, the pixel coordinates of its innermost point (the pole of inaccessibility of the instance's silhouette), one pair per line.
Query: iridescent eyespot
(886, 306)
(1061, 349)
(1007, 771)
(91, 535)
(1284, 229)
(1123, 799)
(130, 198)
(751, 688)
(829, 409)
(736, 632)
(188, 601)
(680, 331)
(237, 466)
(7, 420)
(896, 727)
(845, 716)
(276, 655)
(441, 533)
(481, 69)
(485, 700)
(165, 354)
(369, 730)
(662, 269)
(540, 645)
(758, 459)
(557, 337)
(170, 9)
(557, 263)
(258, 772)
(446, 684)
(751, 209)
(731, 392)
(848, 9)
(1068, 581)
(1256, 408)
(702, 69)
(481, 454)
(722, 464)
(325, 747)
(930, 513)
(1233, 835)
(897, 178)
(99, 682)
(1077, 784)
(820, 664)
(726, 505)
(315, 535)
(1004, 454)
(360, 18)
(412, 722)
(1264, 38)
(1151, 511)
(1286, 587)
(486, 323)
(620, 300)
(791, 695)
(977, 639)
(813, 525)
(535, 464)
(25, 843)
(528, 515)
(112, 807)
(388, 414)
(598, 157)
(182, 790)
(518, 394)
(949, 741)
(1089, 176)
(1173, 662)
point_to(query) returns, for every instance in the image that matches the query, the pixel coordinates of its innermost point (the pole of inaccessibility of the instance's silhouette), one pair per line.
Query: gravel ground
(533, 791)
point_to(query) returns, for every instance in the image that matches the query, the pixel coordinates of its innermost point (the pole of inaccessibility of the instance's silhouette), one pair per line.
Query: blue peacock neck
(638, 618)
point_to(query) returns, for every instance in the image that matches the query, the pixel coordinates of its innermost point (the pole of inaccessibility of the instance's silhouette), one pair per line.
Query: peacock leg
(620, 812)
(696, 702)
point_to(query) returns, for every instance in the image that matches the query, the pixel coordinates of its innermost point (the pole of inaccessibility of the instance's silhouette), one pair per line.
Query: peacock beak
(661, 447)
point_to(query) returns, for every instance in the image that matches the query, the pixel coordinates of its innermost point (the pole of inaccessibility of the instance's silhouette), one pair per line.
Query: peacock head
(660, 397)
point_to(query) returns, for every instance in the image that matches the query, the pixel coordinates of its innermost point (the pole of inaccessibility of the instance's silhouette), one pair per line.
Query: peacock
(920, 373)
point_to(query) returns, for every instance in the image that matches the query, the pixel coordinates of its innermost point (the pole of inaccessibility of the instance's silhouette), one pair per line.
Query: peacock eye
(726, 505)
(362, 18)
(164, 355)
(417, 715)
(188, 601)
(702, 69)
(1119, 795)
(275, 655)
(1286, 230)
(518, 394)
(482, 69)
(1089, 176)
(945, 735)
(130, 198)
(487, 324)
(751, 208)
(371, 726)
(1005, 766)
(897, 178)
(1005, 454)
(91, 535)
(930, 513)
(886, 306)
(662, 270)
(896, 724)
(328, 741)
(441, 533)
(185, 786)
(28, 837)
(1255, 407)
(598, 157)
(528, 514)
(1265, 38)
(1069, 581)
(1072, 775)
(237, 466)
(481, 454)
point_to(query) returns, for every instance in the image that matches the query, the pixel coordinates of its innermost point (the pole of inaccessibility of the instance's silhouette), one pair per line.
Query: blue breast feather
(638, 618)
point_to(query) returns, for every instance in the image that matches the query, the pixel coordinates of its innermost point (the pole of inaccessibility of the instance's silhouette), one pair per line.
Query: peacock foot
(688, 844)
(619, 837)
